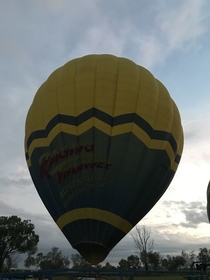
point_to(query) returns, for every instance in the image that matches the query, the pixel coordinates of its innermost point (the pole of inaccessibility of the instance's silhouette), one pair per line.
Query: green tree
(133, 261)
(123, 263)
(153, 259)
(165, 263)
(179, 262)
(173, 262)
(189, 258)
(16, 236)
(108, 266)
(204, 254)
(52, 260)
(79, 262)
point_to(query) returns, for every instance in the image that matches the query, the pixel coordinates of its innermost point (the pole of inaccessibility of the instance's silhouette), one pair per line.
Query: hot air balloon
(208, 201)
(103, 140)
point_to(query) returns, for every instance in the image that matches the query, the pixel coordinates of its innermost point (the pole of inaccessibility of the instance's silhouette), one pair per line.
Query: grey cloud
(196, 216)
(18, 186)
(20, 182)
(191, 132)
(189, 225)
(194, 212)
(7, 209)
(195, 128)
(121, 29)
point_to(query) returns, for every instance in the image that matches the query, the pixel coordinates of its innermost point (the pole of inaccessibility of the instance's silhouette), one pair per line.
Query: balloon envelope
(208, 201)
(103, 140)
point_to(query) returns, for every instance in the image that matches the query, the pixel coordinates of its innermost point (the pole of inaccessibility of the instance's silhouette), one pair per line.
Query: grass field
(162, 277)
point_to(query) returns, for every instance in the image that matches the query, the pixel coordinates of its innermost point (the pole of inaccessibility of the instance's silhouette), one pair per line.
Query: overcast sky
(170, 38)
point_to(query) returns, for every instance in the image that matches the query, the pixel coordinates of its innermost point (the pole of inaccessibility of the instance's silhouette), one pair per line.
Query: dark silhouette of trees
(131, 262)
(154, 259)
(52, 260)
(189, 258)
(108, 266)
(143, 244)
(79, 262)
(16, 236)
(173, 262)
(204, 254)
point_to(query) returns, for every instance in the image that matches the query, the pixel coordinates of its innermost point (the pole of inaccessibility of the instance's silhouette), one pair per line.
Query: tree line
(18, 237)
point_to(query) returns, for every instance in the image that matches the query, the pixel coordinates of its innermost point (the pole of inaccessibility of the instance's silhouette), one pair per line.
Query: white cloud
(183, 24)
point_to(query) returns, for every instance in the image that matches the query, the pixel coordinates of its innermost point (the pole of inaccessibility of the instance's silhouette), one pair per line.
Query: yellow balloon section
(103, 141)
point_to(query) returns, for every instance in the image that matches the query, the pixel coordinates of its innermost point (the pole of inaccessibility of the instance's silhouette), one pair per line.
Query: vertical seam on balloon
(158, 108)
(135, 178)
(49, 148)
(57, 104)
(101, 195)
(178, 140)
(144, 152)
(74, 231)
(166, 174)
(101, 192)
(155, 118)
(74, 234)
(76, 108)
(114, 108)
(171, 129)
(94, 131)
(129, 144)
(111, 132)
(36, 153)
(74, 93)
